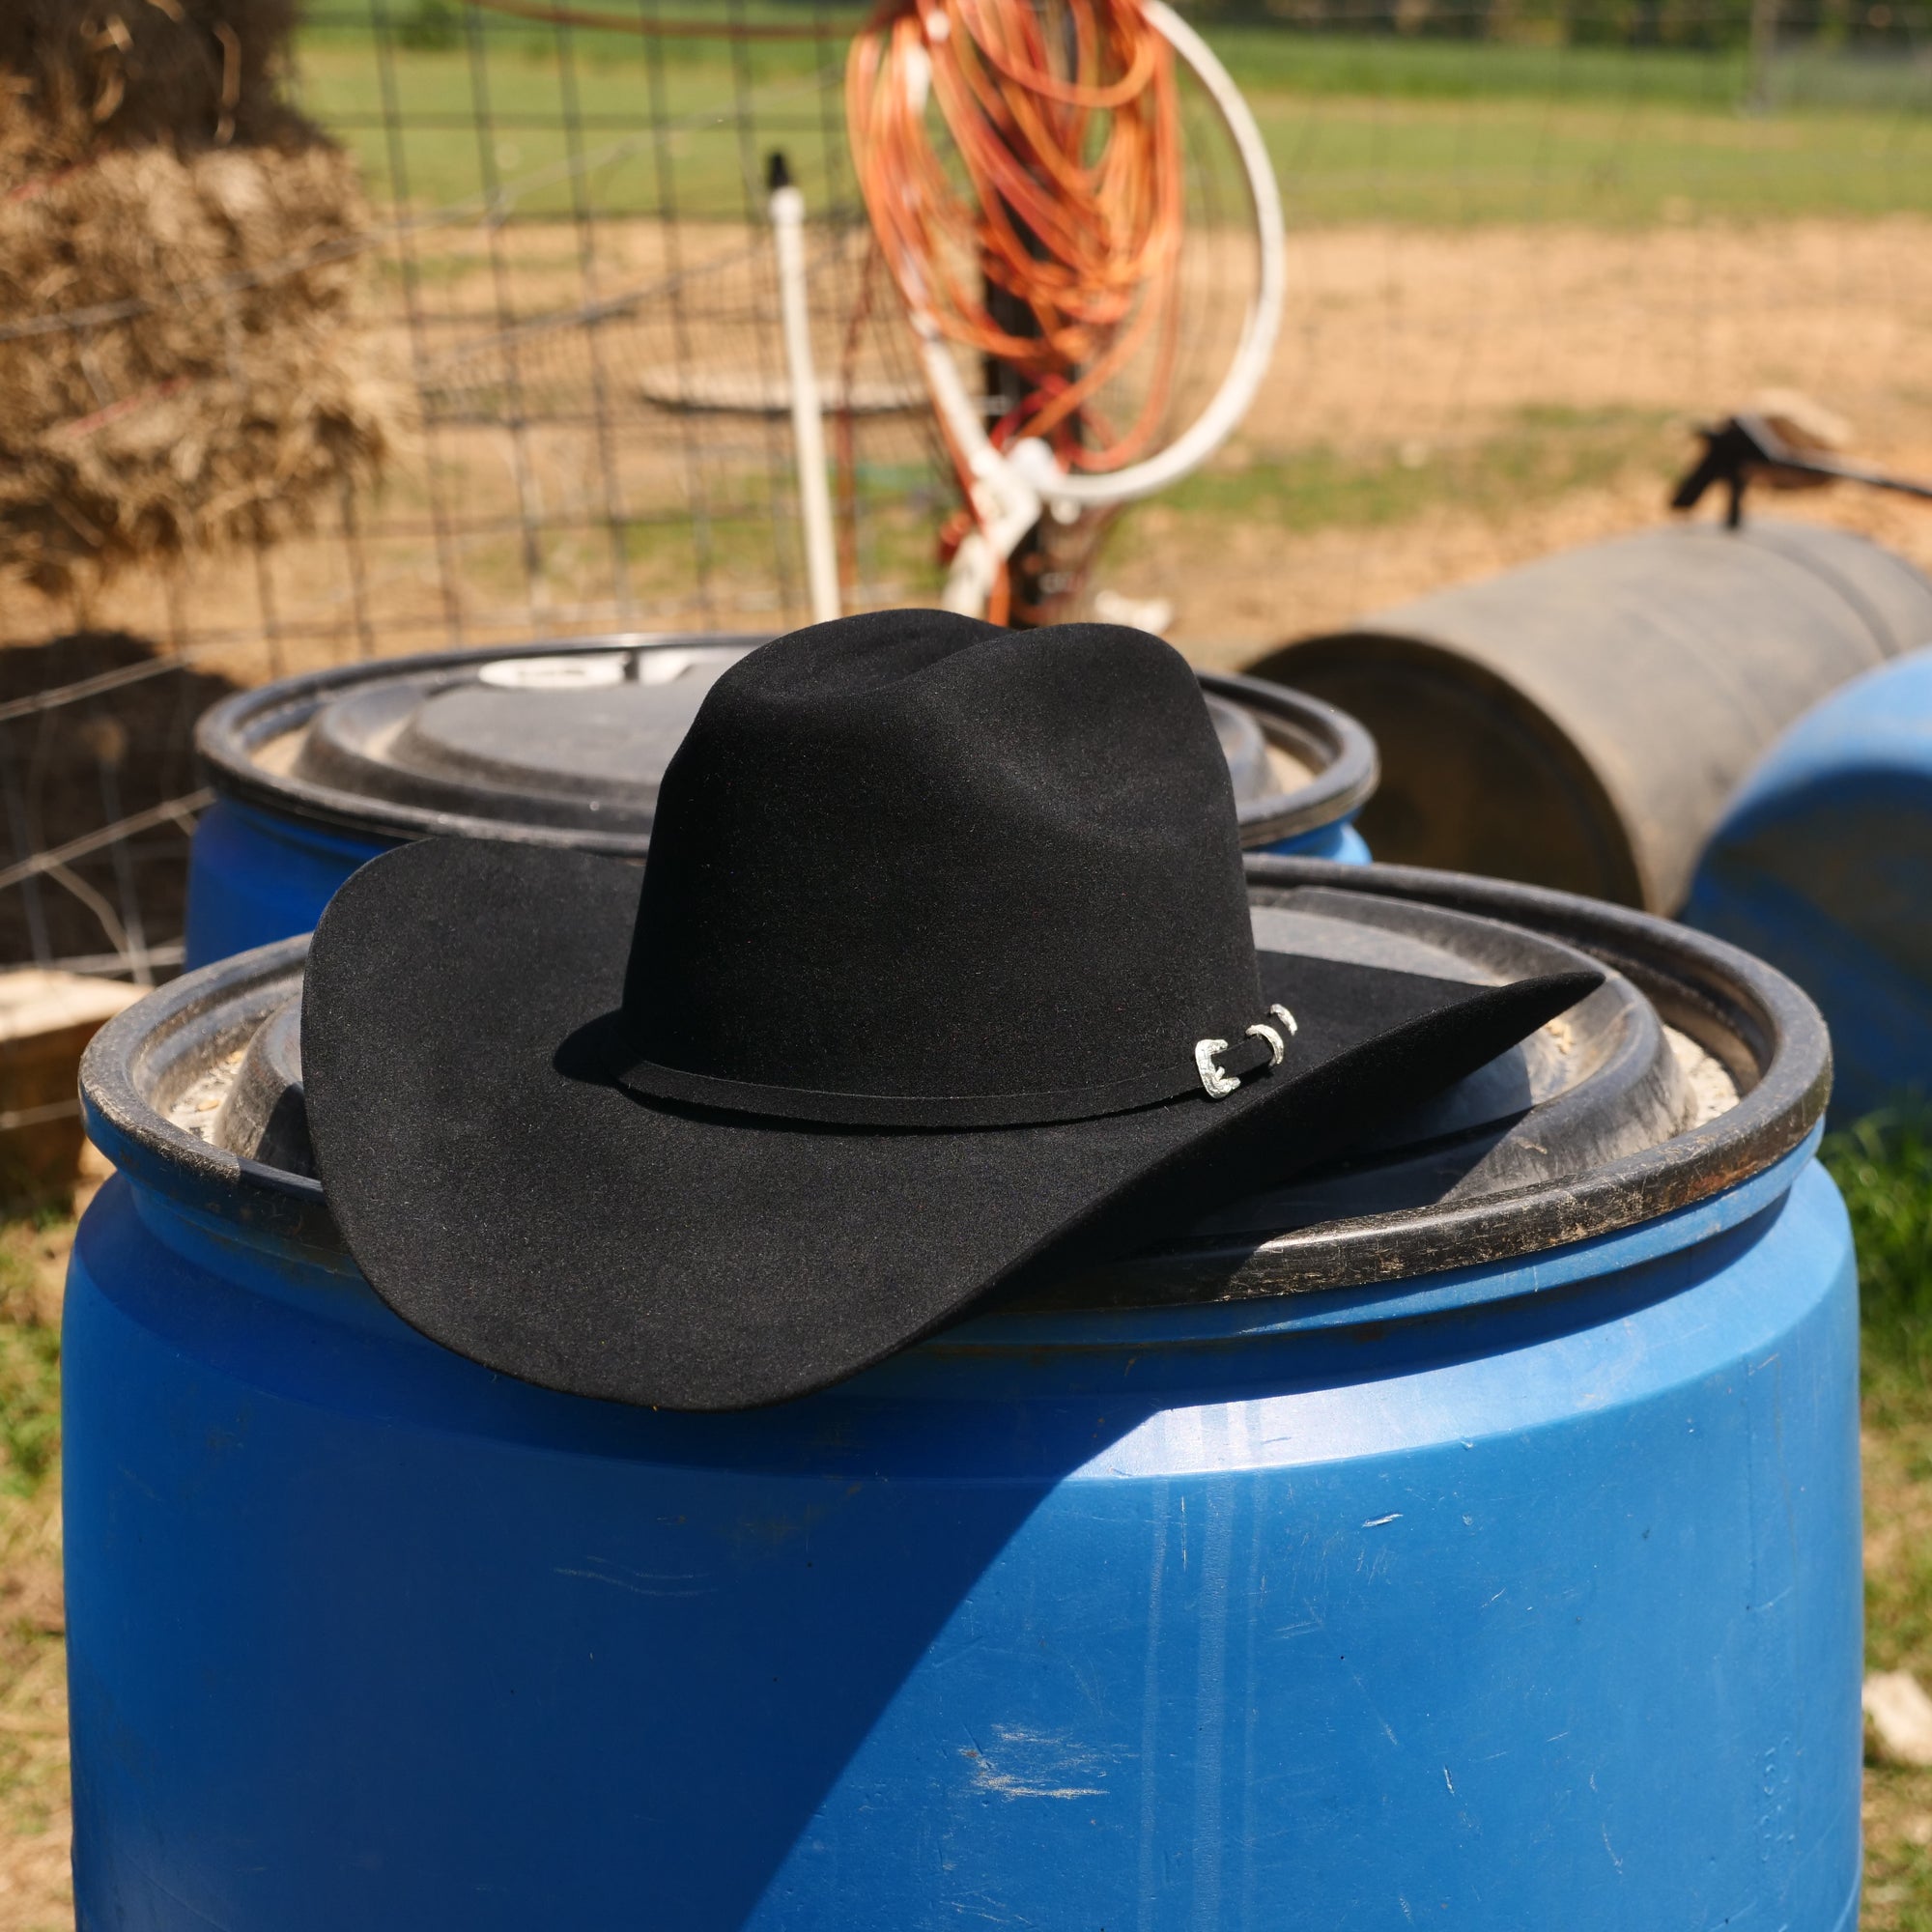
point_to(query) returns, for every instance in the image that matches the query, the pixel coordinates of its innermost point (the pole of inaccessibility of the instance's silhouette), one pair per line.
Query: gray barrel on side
(1580, 723)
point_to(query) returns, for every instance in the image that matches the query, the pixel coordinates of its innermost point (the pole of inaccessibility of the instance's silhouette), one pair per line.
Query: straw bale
(191, 72)
(227, 391)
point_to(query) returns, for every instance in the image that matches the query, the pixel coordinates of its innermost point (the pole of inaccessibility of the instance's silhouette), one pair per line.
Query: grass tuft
(1882, 1165)
(1537, 453)
(29, 1386)
(34, 1891)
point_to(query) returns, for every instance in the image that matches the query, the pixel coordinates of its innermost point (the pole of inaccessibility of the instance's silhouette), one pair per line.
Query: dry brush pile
(181, 256)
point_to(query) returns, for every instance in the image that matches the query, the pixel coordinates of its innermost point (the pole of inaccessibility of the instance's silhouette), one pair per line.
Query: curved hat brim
(544, 1222)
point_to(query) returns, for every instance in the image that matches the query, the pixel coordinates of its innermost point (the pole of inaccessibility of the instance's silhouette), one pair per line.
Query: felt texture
(912, 870)
(507, 1197)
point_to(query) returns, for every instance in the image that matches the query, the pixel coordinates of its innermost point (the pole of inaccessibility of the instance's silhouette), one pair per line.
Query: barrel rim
(1301, 723)
(228, 734)
(1766, 1030)
(144, 1144)
(1768, 1033)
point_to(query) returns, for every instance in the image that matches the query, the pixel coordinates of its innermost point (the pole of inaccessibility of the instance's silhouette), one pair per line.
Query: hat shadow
(724, 1653)
(851, 1568)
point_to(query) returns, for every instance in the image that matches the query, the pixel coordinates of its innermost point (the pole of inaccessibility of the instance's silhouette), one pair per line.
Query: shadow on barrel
(499, 1640)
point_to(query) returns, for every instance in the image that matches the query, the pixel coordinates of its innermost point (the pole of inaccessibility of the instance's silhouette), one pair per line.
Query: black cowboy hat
(942, 970)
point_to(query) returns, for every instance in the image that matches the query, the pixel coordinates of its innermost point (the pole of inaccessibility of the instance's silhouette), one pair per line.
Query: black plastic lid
(1692, 1068)
(560, 743)
(565, 743)
(1297, 762)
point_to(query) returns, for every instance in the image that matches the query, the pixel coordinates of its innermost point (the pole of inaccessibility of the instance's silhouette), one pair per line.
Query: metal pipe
(814, 497)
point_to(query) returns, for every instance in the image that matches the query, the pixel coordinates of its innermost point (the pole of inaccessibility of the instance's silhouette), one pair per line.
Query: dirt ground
(1437, 351)
(1443, 404)
(1430, 343)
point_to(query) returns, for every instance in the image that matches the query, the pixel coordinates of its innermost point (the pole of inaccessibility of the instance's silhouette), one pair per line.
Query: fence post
(1763, 49)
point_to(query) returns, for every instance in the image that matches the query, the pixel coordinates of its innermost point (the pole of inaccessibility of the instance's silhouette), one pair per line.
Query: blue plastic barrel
(255, 874)
(1822, 863)
(1468, 1536)
(1341, 842)
(565, 744)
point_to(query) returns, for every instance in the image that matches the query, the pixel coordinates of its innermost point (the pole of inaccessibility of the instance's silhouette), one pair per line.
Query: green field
(1883, 1166)
(1540, 451)
(1435, 133)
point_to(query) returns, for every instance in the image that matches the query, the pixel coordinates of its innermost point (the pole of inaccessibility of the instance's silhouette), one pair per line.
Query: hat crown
(913, 855)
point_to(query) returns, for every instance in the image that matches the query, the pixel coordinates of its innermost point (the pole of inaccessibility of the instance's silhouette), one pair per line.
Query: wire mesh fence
(1528, 239)
(567, 282)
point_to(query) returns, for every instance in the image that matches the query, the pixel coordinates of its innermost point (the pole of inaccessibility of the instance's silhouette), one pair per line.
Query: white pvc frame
(807, 425)
(1011, 491)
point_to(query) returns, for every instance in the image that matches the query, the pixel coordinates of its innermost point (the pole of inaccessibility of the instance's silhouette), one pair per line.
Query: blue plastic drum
(1466, 1536)
(565, 744)
(1823, 864)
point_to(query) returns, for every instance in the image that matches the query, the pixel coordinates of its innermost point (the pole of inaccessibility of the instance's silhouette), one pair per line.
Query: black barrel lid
(1691, 1067)
(566, 743)
(554, 743)
(1297, 763)
(1245, 749)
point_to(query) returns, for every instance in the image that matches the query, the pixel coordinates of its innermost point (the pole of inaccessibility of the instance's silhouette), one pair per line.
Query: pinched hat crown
(912, 870)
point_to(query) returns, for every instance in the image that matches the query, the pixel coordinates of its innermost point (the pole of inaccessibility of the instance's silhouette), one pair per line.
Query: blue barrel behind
(1341, 842)
(255, 875)
(1244, 1587)
(1302, 770)
(565, 744)
(1822, 864)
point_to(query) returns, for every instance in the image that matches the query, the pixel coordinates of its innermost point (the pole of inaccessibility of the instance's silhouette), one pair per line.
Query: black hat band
(1217, 1069)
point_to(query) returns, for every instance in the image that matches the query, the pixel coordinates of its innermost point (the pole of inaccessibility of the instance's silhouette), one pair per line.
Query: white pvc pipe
(808, 429)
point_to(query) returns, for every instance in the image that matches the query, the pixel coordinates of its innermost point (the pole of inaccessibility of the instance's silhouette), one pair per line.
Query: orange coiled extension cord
(1066, 124)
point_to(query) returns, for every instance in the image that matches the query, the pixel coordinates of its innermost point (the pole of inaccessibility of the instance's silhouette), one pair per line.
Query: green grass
(29, 1405)
(1447, 162)
(29, 1360)
(1392, 67)
(1541, 453)
(696, 163)
(33, 1727)
(1359, 129)
(1884, 1167)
